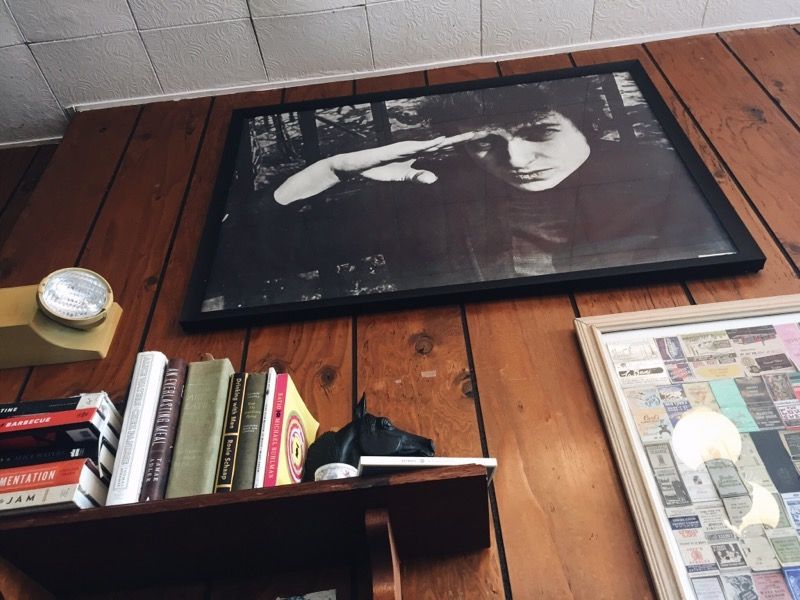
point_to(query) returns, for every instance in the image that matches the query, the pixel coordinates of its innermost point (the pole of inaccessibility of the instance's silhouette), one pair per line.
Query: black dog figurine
(366, 435)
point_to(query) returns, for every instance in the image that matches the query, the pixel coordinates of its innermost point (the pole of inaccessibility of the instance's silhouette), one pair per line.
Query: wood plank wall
(126, 193)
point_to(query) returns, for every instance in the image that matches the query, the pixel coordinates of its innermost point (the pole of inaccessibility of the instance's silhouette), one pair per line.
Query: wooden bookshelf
(430, 512)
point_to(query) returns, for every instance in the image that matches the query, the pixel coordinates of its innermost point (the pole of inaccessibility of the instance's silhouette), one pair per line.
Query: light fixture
(69, 316)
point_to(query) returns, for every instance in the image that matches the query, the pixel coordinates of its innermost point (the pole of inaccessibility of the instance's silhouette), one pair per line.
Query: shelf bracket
(384, 561)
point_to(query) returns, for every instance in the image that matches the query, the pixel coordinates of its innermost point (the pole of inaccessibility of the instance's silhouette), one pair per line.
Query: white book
(379, 465)
(266, 420)
(137, 428)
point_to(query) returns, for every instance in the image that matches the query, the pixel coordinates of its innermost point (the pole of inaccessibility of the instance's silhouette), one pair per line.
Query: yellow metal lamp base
(28, 337)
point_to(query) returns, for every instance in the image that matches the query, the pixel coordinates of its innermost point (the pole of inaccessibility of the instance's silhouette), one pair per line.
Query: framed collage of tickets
(702, 408)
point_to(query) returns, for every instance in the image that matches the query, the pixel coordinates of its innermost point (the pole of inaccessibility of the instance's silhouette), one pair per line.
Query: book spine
(40, 406)
(137, 427)
(229, 443)
(39, 476)
(252, 413)
(46, 455)
(163, 441)
(194, 458)
(263, 436)
(85, 491)
(275, 432)
(44, 420)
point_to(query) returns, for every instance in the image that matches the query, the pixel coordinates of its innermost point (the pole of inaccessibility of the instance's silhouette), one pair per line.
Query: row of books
(202, 428)
(188, 429)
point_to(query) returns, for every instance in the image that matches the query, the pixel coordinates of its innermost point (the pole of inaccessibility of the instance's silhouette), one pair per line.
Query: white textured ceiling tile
(106, 67)
(314, 44)
(200, 57)
(46, 20)
(272, 8)
(28, 109)
(615, 19)
(514, 26)
(730, 12)
(151, 14)
(9, 32)
(413, 32)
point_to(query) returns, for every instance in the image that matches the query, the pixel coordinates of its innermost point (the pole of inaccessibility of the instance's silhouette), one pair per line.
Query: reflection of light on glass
(703, 434)
(764, 511)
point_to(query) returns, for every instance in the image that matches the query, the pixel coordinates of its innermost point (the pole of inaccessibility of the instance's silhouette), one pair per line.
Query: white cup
(335, 471)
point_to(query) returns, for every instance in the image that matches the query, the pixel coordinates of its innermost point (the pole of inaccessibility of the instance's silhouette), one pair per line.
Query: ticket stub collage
(717, 412)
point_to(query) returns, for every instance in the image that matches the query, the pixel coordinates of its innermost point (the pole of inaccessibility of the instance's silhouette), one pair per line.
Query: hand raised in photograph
(529, 156)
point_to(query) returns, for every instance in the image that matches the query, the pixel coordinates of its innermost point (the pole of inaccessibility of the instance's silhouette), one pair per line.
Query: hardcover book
(66, 484)
(137, 427)
(166, 425)
(252, 412)
(264, 428)
(194, 459)
(229, 443)
(292, 429)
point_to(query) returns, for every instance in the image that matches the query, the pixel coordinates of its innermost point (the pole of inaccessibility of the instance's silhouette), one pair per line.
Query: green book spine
(250, 432)
(229, 443)
(194, 459)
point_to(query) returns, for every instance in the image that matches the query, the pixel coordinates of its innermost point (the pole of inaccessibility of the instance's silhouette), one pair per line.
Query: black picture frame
(746, 258)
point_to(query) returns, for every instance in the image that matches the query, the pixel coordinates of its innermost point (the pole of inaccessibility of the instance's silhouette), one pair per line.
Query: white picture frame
(669, 575)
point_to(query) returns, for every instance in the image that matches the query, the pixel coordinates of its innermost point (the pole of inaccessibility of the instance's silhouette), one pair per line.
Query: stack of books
(203, 428)
(57, 454)
(188, 429)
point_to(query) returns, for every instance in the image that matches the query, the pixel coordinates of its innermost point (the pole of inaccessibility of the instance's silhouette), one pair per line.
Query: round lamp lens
(75, 297)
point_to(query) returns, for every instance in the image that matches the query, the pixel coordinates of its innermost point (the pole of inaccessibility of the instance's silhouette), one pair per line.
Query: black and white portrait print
(475, 186)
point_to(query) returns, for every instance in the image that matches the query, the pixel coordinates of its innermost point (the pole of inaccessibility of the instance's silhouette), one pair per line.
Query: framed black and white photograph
(560, 180)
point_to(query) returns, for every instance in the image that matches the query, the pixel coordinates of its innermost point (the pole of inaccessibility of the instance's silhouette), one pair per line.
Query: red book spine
(276, 428)
(41, 420)
(33, 477)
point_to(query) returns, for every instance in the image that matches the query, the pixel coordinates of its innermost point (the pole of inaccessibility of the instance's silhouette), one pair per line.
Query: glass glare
(75, 295)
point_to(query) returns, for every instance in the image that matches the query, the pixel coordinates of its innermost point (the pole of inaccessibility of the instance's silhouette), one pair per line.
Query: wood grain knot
(327, 375)
(423, 344)
(464, 382)
(151, 281)
(145, 136)
(757, 114)
(779, 84)
(277, 364)
(190, 127)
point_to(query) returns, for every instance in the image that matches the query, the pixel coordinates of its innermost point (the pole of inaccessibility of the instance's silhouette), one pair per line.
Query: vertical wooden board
(129, 243)
(19, 199)
(165, 333)
(65, 201)
(534, 64)
(772, 56)
(371, 85)
(62, 207)
(756, 140)
(566, 527)
(319, 357)
(413, 367)
(778, 276)
(13, 164)
(469, 72)
(333, 89)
